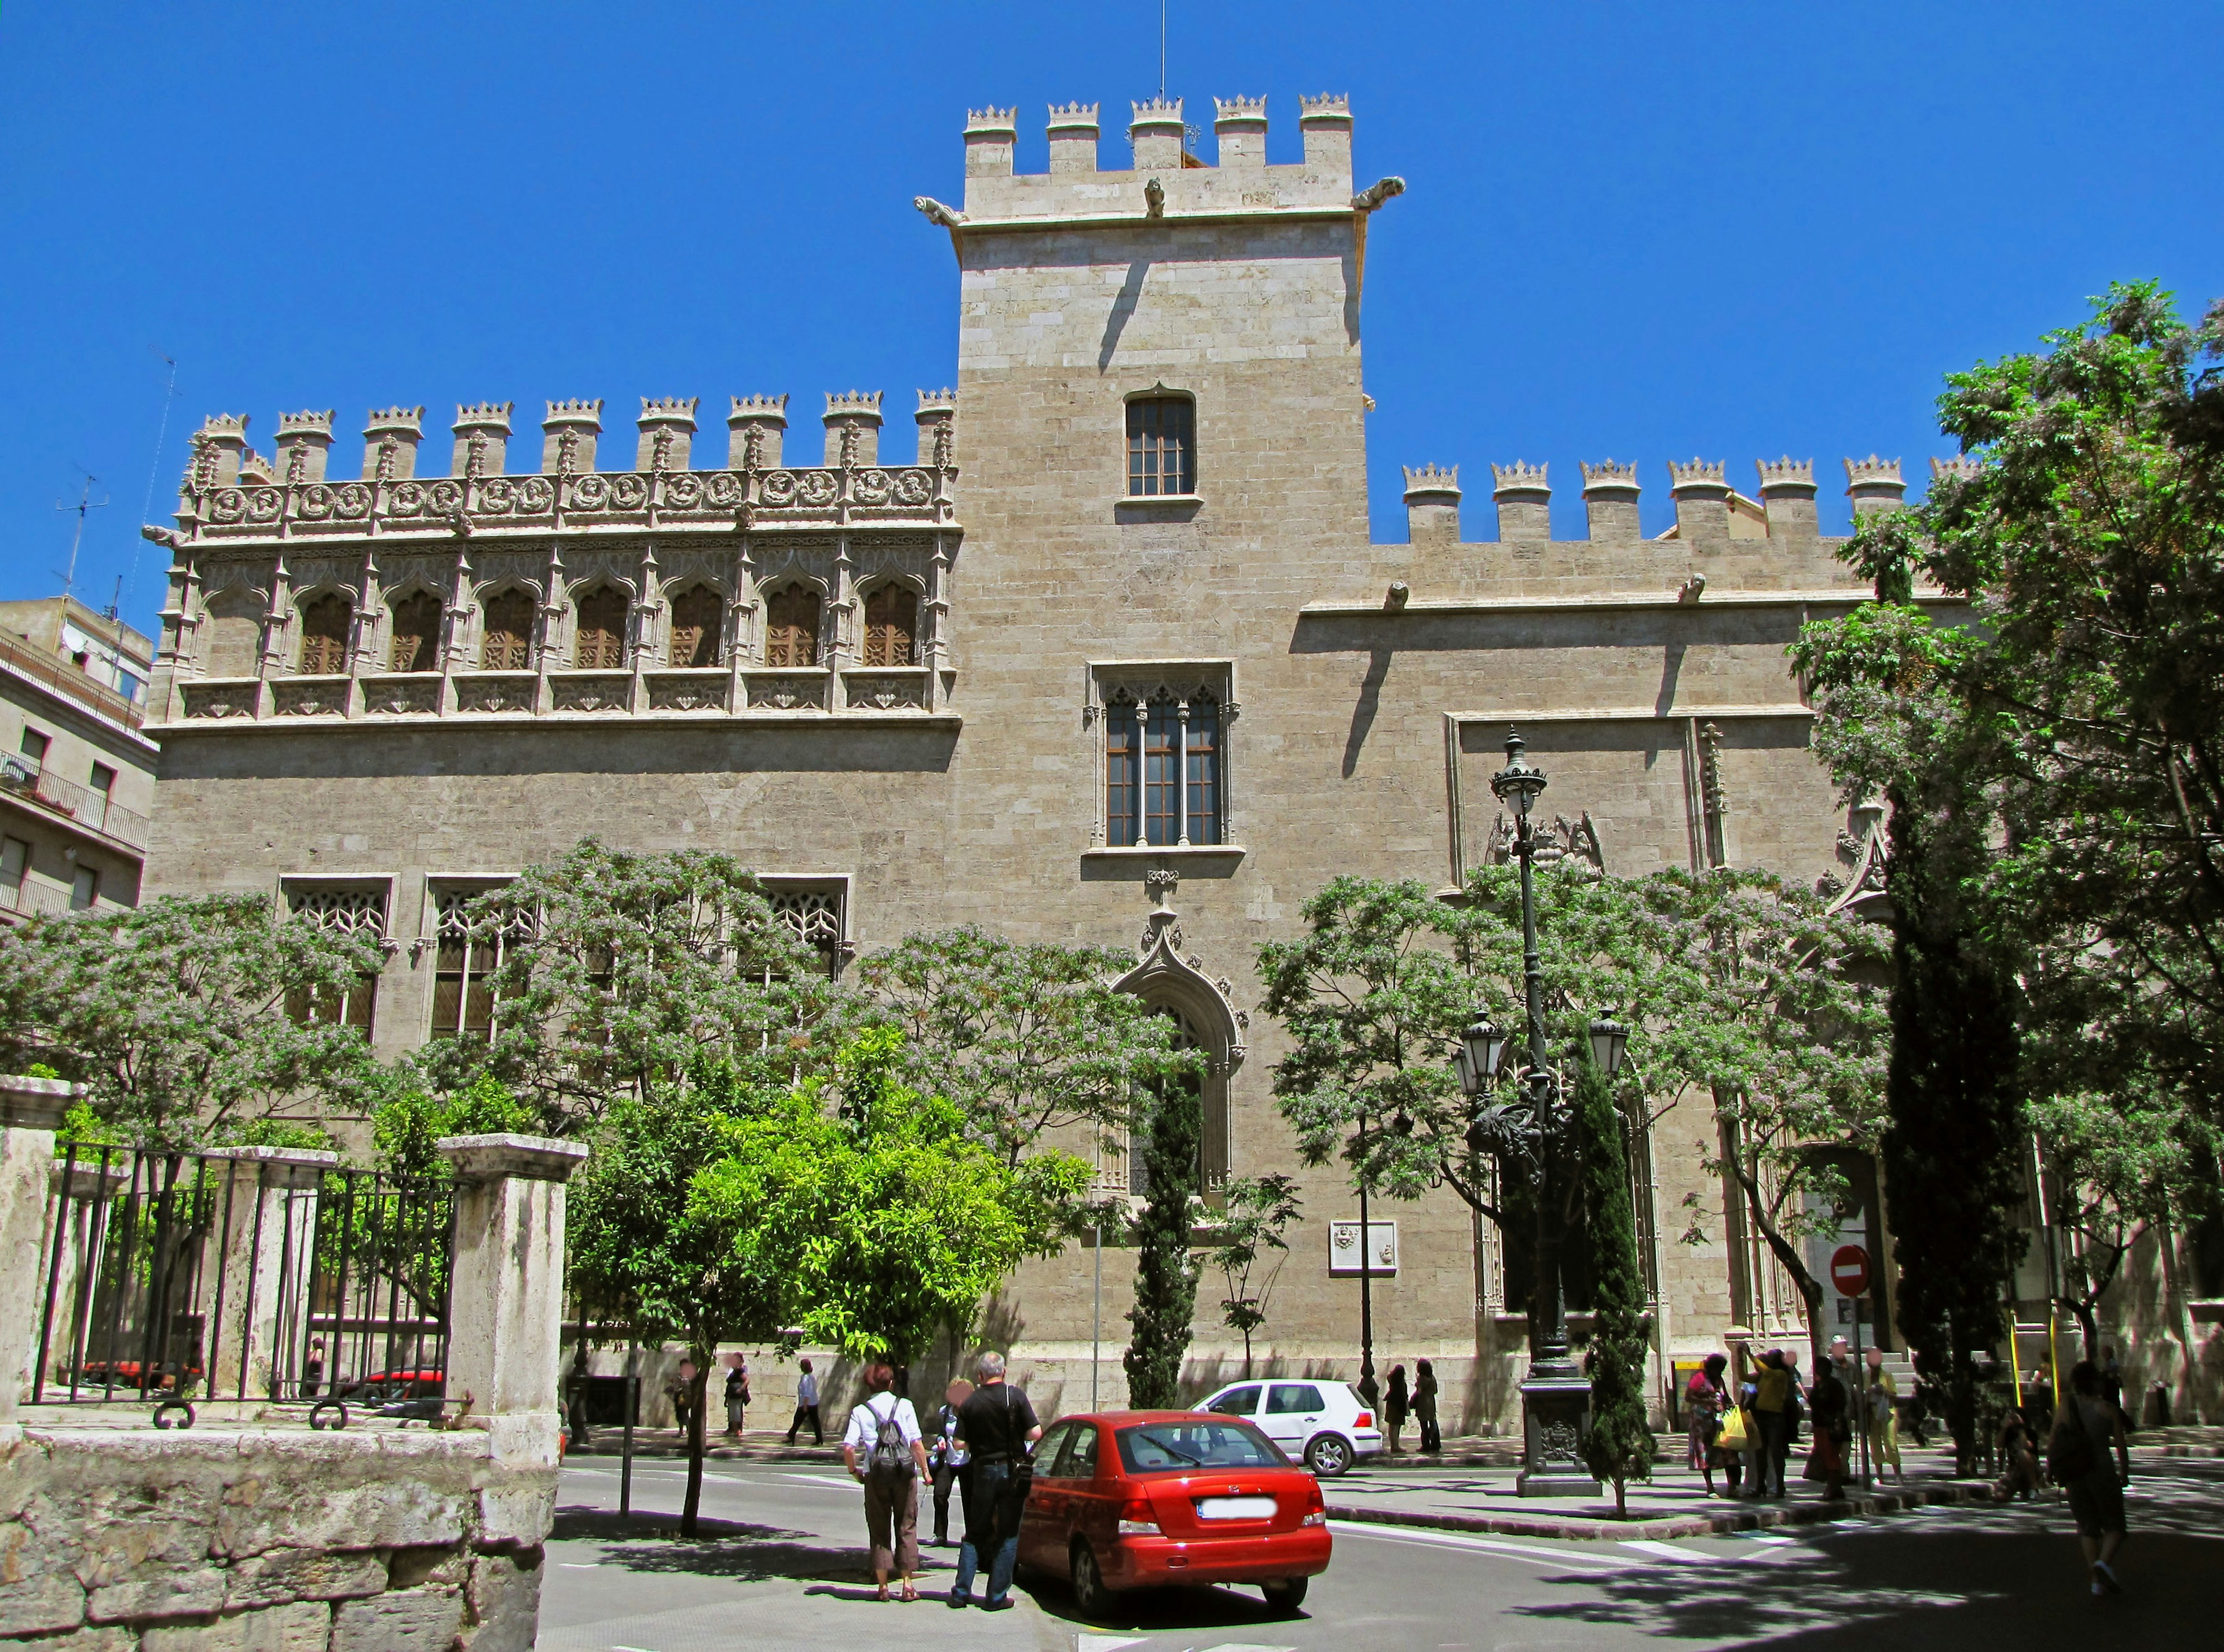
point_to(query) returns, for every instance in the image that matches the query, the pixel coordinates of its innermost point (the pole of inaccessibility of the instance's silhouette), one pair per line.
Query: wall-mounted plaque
(1344, 1251)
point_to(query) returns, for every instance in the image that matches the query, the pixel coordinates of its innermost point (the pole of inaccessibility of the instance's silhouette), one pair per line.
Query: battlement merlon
(304, 441)
(1524, 496)
(1077, 191)
(1432, 502)
(668, 433)
(1874, 485)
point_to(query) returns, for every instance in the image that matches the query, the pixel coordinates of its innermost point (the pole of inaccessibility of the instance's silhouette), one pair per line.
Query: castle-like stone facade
(1111, 656)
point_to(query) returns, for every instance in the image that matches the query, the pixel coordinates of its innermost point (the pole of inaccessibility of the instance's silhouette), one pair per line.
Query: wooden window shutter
(602, 614)
(324, 626)
(695, 626)
(892, 626)
(791, 627)
(416, 633)
(508, 633)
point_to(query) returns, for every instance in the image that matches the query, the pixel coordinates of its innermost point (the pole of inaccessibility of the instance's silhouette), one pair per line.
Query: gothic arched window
(234, 634)
(695, 626)
(892, 626)
(602, 630)
(324, 636)
(416, 634)
(509, 645)
(1163, 775)
(791, 627)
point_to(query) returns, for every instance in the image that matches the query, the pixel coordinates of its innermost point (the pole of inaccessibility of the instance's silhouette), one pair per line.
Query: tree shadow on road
(1150, 1611)
(720, 1548)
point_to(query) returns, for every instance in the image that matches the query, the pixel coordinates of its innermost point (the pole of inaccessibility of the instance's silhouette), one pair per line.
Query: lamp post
(1555, 1394)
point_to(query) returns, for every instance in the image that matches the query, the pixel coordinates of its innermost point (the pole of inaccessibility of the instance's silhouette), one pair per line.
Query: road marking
(580, 1565)
(1576, 1558)
(1668, 1551)
(629, 1649)
(1104, 1642)
(822, 1479)
(1763, 1537)
(1853, 1522)
(1247, 1646)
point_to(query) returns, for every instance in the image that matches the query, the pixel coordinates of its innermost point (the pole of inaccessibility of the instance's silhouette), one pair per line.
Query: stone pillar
(482, 439)
(223, 439)
(1787, 494)
(304, 441)
(1874, 486)
(1610, 495)
(1524, 499)
(1432, 499)
(30, 1112)
(390, 436)
(1239, 131)
(567, 436)
(1325, 121)
(265, 1213)
(853, 428)
(667, 434)
(1156, 134)
(937, 427)
(1702, 502)
(506, 1291)
(990, 134)
(763, 419)
(1073, 133)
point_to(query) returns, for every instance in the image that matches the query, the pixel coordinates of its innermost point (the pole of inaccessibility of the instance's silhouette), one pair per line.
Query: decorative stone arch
(779, 606)
(1165, 978)
(396, 602)
(498, 598)
(693, 600)
(314, 636)
(235, 620)
(898, 600)
(598, 621)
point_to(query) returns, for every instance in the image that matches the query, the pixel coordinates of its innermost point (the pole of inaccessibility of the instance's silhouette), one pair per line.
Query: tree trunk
(697, 1391)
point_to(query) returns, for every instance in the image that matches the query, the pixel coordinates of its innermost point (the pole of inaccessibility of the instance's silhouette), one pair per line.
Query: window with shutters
(356, 913)
(234, 634)
(470, 949)
(416, 634)
(325, 624)
(892, 626)
(1161, 446)
(695, 627)
(791, 627)
(509, 645)
(600, 642)
(1163, 755)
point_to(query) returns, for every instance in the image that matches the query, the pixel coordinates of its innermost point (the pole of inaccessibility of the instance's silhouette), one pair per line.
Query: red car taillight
(1364, 1420)
(1138, 1518)
(1316, 1507)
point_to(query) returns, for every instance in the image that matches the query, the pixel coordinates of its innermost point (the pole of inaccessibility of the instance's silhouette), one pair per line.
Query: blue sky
(1644, 232)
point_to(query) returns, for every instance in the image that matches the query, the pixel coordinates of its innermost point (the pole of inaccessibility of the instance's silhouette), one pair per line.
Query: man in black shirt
(996, 1428)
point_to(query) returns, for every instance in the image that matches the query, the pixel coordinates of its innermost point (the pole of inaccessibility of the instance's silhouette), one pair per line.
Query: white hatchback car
(1326, 1424)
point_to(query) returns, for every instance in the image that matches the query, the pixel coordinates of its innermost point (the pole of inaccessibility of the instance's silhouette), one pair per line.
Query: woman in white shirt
(883, 1449)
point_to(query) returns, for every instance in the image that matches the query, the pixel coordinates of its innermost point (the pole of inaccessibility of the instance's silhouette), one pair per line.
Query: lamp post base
(1555, 1416)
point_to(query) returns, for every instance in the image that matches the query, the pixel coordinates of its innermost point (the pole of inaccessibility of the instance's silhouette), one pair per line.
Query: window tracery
(892, 626)
(416, 640)
(600, 643)
(791, 627)
(324, 626)
(509, 642)
(695, 628)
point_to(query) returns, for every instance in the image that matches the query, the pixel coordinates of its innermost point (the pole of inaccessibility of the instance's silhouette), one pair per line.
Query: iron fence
(239, 1274)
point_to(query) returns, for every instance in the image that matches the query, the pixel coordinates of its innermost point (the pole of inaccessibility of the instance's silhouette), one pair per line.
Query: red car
(1136, 1499)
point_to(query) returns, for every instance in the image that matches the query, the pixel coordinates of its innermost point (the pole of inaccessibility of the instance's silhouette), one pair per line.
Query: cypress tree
(1620, 1446)
(1165, 1273)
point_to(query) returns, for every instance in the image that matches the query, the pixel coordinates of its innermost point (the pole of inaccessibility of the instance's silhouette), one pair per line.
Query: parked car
(1326, 1424)
(383, 1385)
(1135, 1499)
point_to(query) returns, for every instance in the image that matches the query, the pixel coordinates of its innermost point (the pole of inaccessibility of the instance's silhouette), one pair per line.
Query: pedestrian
(1772, 1415)
(1424, 1408)
(1882, 1422)
(737, 1393)
(1826, 1458)
(2085, 1427)
(575, 1394)
(681, 1393)
(946, 1458)
(996, 1428)
(1707, 1398)
(2017, 1456)
(806, 1407)
(883, 1449)
(1394, 1406)
(313, 1369)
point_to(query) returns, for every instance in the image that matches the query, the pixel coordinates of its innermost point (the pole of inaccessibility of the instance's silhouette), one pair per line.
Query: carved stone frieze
(688, 690)
(788, 690)
(309, 697)
(887, 690)
(591, 692)
(223, 699)
(529, 568)
(338, 573)
(496, 690)
(411, 696)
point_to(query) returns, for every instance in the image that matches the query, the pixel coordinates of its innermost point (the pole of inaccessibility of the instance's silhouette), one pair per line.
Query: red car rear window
(1208, 1443)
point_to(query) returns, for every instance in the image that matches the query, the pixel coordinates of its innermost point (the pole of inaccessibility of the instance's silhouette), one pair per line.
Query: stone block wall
(373, 1540)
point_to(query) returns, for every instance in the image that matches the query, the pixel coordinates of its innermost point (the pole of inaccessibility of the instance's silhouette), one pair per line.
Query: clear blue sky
(1638, 231)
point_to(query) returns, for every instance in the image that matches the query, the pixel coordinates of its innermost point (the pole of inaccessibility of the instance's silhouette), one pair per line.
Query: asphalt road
(786, 1569)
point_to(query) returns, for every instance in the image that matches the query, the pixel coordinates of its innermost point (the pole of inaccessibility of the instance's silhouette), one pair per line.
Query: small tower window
(509, 645)
(416, 633)
(601, 640)
(791, 627)
(695, 627)
(324, 636)
(891, 627)
(1161, 446)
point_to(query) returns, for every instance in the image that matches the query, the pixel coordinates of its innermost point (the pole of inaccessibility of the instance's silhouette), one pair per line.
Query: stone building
(77, 773)
(1108, 655)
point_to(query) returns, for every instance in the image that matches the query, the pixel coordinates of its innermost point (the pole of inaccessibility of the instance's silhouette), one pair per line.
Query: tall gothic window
(602, 630)
(1162, 769)
(325, 625)
(471, 949)
(892, 626)
(791, 627)
(1138, 1180)
(1161, 446)
(416, 634)
(695, 625)
(355, 914)
(234, 634)
(509, 645)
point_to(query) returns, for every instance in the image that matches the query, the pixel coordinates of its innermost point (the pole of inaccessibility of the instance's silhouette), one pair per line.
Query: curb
(713, 1453)
(1790, 1514)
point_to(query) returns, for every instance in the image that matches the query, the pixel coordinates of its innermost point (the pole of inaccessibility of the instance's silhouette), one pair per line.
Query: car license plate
(1235, 1508)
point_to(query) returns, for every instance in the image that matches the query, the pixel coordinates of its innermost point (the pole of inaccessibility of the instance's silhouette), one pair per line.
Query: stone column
(1702, 502)
(30, 1112)
(1524, 497)
(265, 1210)
(1433, 506)
(506, 1291)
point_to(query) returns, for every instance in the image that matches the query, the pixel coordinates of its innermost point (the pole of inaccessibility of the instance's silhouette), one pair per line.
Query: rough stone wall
(215, 1541)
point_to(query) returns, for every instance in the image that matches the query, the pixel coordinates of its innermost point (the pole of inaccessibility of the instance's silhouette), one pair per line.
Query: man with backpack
(2077, 1453)
(883, 1449)
(996, 1427)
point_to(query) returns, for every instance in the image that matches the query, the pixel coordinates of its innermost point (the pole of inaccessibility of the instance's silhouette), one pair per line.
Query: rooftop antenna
(86, 502)
(153, 466)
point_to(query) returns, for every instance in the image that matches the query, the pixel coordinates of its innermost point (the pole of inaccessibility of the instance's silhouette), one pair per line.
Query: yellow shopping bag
(1736, 1431)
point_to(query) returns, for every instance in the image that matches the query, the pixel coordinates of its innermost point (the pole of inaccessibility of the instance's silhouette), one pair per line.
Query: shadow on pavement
(722, 1548)
(1148, 1611)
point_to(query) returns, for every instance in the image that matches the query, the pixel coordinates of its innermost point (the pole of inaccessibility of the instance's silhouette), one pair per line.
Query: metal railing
(28, 782)
(239, 1274)
(35, 899)
(68, 679)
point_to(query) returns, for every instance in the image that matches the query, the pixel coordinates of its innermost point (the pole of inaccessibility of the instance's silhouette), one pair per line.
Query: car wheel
(1089, 1592)
(1328, 1455)
(1285, 1595)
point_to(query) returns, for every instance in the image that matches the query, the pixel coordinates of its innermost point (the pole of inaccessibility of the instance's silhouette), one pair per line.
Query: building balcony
(46, 794)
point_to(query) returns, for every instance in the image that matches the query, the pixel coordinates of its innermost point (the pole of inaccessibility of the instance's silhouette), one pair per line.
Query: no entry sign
(1849, 1270)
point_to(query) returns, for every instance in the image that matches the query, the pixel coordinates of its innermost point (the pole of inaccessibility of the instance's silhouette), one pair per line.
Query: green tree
(652, 1262)
(621, 972)
(174, 1014)
(1028, 1039)
(1169, 1144)
(1253, 1212)
(883, 1219)
(1620, 1446)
